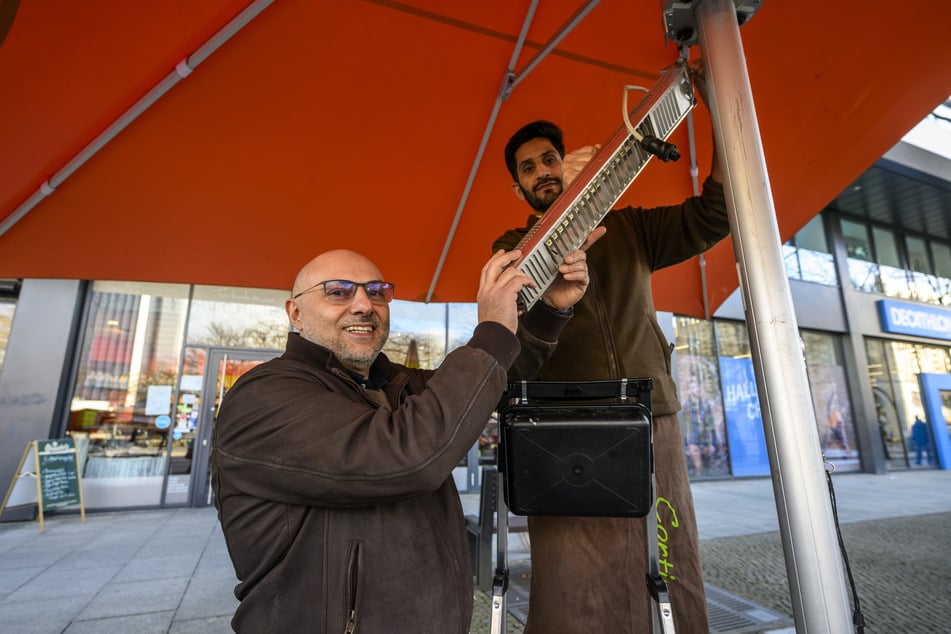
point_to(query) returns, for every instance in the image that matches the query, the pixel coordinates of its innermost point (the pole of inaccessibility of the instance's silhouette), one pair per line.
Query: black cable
(858, 619)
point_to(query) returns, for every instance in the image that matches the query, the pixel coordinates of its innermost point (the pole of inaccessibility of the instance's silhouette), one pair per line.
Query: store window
(830, 399)
(744, 421)
(925, 285)
(7, 308)
(808, 257)
(881, 261)
(417, 334)
(894, 277)
(135, 408)
(698, 382)
(893, 371)
(863, 271)
(887, 415)
(229, 317)
(941, 254)
(421, 335)
(127, 370)
(223, 318)
(463, 318)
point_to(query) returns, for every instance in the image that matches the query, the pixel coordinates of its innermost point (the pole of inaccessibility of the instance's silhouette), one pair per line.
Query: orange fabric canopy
(325, 124)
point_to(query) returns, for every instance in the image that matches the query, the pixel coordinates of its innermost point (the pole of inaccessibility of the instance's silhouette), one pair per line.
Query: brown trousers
(589, 574)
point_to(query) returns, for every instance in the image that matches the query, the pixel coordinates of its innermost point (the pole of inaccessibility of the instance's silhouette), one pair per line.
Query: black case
(577, 448)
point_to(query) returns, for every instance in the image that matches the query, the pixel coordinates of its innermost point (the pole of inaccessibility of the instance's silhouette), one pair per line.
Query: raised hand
(499, 287)
(574, 161)
(572, 281)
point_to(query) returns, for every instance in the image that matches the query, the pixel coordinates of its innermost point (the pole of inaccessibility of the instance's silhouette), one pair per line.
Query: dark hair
(534, 130)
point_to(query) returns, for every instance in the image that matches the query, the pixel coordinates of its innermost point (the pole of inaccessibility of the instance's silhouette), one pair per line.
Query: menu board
(59, 475)
(48, 476)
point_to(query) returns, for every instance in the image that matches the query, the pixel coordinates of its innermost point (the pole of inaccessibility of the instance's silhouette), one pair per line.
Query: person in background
(588, 574)
(332, 465)
(921, 441)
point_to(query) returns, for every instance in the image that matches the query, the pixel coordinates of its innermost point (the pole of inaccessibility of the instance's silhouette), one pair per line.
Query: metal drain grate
(729, 614)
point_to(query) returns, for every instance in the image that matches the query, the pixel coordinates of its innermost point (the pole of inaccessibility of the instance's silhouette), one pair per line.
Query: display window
(893, 369)
(721, 418)
(830, 400)
(128, 364)
(702, 422)
(7, 308)
(135, 412)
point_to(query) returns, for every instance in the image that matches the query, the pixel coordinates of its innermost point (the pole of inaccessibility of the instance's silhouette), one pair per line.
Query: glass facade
(151, 355)
(421, 335)
(7, 308)
(134, 409)
(701, 420)
(893, 369)
(721, 419)
(863, 272)
(901, 266)
(808, 256)
(830, 399)
(128, 364)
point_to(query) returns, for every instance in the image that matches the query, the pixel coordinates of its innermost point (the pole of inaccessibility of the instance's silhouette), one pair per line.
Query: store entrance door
(223, 366)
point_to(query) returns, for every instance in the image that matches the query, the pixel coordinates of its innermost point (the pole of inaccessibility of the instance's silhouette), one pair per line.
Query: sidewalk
(167, 571)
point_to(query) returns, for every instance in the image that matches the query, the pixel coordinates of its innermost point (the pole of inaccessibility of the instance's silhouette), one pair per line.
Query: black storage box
(580, 449)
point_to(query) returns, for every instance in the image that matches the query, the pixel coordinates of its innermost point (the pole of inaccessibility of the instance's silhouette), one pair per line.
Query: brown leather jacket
(614, 333)
(337, 501)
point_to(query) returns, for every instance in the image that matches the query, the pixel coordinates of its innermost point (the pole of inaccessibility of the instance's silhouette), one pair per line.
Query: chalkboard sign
(48, 476)
(59, 476)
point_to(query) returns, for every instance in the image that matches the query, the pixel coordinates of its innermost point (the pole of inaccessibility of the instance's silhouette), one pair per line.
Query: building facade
(870, 278)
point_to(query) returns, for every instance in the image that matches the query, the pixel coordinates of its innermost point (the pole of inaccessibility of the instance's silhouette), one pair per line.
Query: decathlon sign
(914, 319)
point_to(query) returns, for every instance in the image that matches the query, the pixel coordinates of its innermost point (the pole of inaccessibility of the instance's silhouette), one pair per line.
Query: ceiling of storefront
(894, 194)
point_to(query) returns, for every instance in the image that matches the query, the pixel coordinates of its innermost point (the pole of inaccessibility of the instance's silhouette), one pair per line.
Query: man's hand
(574, 161)
(696, 71)
(572, 280)
(499, 287)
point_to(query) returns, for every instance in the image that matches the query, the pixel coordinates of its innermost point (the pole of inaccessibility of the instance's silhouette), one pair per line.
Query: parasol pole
(813, 559)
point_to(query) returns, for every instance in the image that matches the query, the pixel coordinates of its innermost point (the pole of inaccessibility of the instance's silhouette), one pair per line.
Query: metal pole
(813, 560)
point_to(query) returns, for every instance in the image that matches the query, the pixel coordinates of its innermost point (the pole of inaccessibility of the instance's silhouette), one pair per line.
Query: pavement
(167, 571)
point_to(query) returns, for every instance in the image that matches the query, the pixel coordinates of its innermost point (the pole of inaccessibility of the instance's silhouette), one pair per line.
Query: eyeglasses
(342, 291)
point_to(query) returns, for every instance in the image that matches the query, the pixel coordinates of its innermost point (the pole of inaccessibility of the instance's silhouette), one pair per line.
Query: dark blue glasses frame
(342, 291)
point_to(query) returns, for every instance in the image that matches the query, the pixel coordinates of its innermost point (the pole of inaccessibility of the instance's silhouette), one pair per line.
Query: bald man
(332, 465)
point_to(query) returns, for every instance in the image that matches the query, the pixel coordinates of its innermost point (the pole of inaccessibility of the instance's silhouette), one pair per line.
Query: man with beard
(588, 574)
(332, 465)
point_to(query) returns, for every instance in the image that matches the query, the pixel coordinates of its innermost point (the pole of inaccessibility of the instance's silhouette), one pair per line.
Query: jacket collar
(300, 349)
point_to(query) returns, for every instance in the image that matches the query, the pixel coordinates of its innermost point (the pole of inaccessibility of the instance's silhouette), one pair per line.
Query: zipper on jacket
(353, 585)
(609, 346)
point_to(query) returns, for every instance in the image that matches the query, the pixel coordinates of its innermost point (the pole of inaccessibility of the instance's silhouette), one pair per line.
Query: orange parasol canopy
(325, 124)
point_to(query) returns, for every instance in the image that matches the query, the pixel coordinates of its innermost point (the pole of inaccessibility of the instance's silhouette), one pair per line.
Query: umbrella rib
(556, 39)
(182, 70)
(477, 162)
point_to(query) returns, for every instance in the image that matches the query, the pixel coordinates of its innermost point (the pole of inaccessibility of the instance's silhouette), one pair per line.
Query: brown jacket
(337, 501)
(614, 333)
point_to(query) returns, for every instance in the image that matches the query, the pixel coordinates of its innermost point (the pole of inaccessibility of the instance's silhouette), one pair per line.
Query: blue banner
(744, 422)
